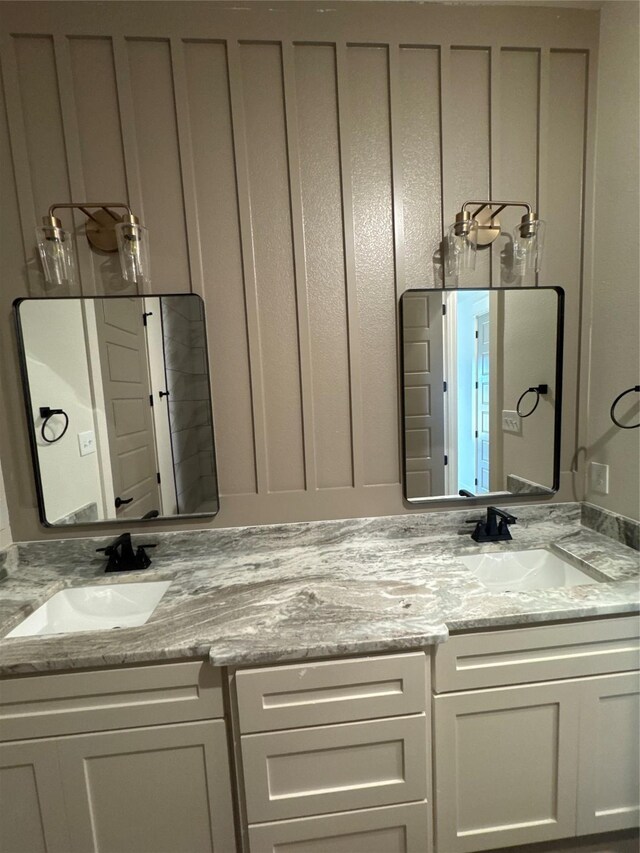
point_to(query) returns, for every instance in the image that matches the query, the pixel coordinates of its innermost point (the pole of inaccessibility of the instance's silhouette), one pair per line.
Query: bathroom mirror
(481, 392)
(119, 407)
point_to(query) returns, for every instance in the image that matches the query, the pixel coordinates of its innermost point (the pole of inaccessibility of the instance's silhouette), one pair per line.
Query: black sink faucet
(493, 530)
(122, 557)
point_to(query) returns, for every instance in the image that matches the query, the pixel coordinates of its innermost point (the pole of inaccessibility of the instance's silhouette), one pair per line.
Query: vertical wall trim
(353, 321)
(447, 156)
(234, 72)
(495, 168)
(397, 185)
(300, 264)
(187, 170)
(544, 94)
(75, 172)
(127, 125)
(20, 157)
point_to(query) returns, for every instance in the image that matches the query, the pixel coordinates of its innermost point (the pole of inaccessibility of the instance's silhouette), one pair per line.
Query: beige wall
(5, 528)
(296, 168)
(615, 307)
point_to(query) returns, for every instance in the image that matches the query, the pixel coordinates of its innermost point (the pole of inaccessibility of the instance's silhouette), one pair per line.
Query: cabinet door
(506, 766)
(32, 816)
(608, 784)
(164, 789)
(393, 829)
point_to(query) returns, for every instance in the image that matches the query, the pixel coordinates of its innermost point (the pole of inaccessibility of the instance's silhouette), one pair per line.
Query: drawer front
(69, 703)
(393, 829)
(289, 697)
(494, 659)
(334, 768)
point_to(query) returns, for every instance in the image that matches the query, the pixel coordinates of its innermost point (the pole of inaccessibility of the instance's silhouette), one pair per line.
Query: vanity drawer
(401, 829)
(493, 659)
(68, 703)
(334, 768)
(288, 697)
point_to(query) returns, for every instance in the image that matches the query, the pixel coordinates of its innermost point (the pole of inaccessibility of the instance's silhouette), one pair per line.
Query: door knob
(120, 502)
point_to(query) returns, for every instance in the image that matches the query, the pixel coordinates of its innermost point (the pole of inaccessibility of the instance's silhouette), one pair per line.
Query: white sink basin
(522, 570)
(94, 608)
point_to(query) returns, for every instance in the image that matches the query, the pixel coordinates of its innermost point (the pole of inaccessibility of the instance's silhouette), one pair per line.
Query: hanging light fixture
(477, 229)
(462, 242)
(106, 231)
(56, 252)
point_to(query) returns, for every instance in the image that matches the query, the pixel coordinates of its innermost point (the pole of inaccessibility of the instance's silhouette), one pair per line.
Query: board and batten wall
(296, 164)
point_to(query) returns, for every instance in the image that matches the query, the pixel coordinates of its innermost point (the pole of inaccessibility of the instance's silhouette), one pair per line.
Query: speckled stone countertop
(260, 595)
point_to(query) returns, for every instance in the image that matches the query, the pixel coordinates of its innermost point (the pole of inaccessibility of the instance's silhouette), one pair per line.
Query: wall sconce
(106, 231)
(482, 227)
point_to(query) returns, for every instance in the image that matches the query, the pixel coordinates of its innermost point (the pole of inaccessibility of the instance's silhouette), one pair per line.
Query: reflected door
(482, 403)
(124, 367)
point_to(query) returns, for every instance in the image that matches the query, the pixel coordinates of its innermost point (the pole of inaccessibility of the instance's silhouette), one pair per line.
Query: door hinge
(446, 459)
(444, 309)
(475, 482)
(444, 386)
(476, 333)
(476, 433)
(151, 400)
(145, 315)
(158, 476)
(476, 386)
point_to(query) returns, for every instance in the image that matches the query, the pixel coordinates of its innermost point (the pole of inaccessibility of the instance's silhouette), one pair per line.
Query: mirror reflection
(119, 407)
(481, 379)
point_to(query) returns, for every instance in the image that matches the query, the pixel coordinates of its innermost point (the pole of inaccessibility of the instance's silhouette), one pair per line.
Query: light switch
(87, 442)
(599, 477)
(511, 422)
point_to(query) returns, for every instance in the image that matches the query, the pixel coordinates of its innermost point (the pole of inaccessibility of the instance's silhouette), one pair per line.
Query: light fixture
(478, 229)
(106, 231)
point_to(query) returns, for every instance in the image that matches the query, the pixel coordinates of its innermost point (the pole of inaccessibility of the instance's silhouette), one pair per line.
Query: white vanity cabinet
(334, 755)
(131, 760)
(536, 734)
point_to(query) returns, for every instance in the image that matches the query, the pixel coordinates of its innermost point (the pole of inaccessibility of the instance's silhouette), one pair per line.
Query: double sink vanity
(382, 685)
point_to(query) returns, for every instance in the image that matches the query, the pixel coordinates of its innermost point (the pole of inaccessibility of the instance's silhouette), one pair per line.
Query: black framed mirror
(481, 377)
(118, 405)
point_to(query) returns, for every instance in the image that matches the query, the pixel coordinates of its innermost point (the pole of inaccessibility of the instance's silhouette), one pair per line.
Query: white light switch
(87, 442)
(511, 422)
(599, 477)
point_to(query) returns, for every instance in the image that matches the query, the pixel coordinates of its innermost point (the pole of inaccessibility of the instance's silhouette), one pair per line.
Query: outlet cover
(511, 422)
(87, 442)
(599, 477)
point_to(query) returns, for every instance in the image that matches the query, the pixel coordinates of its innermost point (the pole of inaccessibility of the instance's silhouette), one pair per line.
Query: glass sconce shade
(133, 248)
(462, 243)
(56, 253)
(528, 245)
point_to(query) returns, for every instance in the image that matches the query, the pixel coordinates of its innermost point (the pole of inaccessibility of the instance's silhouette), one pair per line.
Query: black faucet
(122, 557)
(491, 530)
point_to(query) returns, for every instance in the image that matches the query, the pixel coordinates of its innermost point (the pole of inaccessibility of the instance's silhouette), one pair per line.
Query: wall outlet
(511, 422)
(599, 477)
(87, 442)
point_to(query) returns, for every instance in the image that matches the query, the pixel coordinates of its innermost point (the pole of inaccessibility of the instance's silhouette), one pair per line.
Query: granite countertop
(242, 596)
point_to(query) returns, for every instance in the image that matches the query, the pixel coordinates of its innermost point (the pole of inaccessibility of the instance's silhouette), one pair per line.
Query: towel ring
(47, 413)
(537, 390)
(631, 390)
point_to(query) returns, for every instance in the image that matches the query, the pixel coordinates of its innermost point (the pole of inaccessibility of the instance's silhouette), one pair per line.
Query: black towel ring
(46, 413)
(631, 390)
(537, 390)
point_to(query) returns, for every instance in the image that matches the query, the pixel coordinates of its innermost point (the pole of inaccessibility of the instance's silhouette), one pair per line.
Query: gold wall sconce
(106, 231)
(478, 229)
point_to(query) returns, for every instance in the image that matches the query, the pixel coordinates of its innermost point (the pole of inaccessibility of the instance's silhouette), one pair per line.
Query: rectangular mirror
(481, 392)
(119, 407)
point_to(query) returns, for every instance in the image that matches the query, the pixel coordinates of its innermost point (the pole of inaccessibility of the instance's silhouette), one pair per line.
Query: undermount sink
(93, 608)
(516, 571)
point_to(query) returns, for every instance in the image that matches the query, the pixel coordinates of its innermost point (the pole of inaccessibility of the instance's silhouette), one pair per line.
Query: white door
(481, 407)
(505, 766)
(423, 397)
(608, 783)
(161, 789)
(125, 378)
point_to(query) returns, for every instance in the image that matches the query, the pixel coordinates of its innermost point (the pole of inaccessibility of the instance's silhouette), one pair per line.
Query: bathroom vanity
(330, 686)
